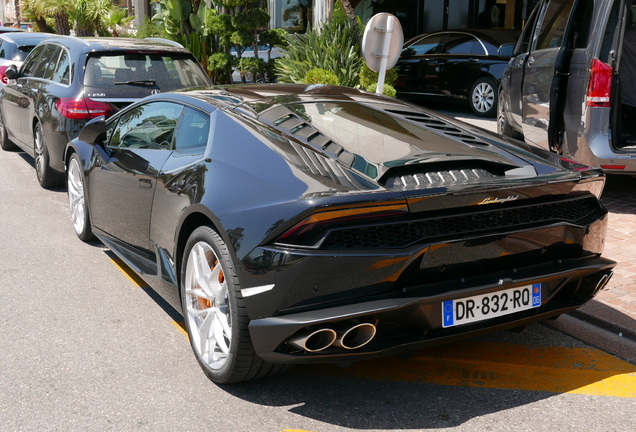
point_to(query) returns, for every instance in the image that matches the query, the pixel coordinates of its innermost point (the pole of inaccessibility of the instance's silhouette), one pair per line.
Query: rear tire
(214, 310)
(503, 126)
(5, 143)
(77, 199)
(47, 177)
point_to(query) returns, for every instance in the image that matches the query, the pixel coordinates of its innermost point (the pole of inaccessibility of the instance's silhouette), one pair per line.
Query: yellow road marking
(489, 365)
(129, 273)
(504, 366)
(180, 325)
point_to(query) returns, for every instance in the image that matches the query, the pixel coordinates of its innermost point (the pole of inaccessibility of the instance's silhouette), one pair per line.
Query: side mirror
(94, 131)
(11, 72)
(506, 50)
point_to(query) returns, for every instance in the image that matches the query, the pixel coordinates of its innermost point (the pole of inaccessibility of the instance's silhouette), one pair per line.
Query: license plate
(485, 306)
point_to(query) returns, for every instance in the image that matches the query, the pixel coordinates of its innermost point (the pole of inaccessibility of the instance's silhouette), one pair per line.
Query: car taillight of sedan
(83, 108)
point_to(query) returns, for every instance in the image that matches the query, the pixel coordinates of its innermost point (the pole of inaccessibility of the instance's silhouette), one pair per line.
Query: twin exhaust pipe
(344, 336)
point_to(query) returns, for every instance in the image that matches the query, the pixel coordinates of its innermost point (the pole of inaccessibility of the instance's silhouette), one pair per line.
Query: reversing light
(599, 88)
(304, 232)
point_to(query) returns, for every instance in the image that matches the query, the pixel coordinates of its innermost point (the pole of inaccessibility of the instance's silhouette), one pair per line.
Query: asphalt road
(84, 347)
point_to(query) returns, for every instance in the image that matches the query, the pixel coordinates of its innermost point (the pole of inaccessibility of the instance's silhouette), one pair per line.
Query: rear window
(21, 52)
(132, 75)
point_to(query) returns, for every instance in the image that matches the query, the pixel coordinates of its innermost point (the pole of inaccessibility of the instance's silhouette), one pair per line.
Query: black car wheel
(5, 143)
(214, 311)
(47, 177)
(503, 126)
(483, 94)
(77, 199)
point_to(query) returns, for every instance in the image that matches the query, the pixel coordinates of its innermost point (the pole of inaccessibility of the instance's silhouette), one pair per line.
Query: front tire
(47, 177)
(503, 126)
(483, 97)
(77, 199)
(215, 316)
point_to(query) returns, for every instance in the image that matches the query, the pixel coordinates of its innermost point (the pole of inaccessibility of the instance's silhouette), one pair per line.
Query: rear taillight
(83, 108)
(599, 88)
(310, 230)
(3, 78)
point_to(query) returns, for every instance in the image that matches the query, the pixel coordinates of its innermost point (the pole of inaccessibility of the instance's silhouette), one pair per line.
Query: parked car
(14, 47)
(65, 81)
(456, 64)
(303, 224)
(564, 88)
(265, 52)
(5, 29)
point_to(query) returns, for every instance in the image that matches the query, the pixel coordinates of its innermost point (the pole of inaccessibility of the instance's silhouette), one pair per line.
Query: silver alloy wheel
(75, 186)
(483, 97)
(207, 304)
(501, 119)
(40, 161)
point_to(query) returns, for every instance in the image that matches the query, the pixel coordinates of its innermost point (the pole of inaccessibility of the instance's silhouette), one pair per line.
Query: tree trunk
(349, 10)
(40, 24)
(62, 25)
(17, 13)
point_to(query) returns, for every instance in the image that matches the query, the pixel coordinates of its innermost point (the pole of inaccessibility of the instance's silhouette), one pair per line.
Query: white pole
(384, 57)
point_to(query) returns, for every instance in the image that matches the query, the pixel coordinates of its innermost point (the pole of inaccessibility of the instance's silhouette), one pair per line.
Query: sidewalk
(614, 308)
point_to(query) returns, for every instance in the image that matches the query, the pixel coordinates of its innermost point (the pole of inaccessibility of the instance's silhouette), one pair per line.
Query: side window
(3, 54)
(33, 61)
(193, 130)
(62, 73)
(149, 126)
(46, 62)
(463, 44)
(427, 45)
(554, 24)
(523, 44)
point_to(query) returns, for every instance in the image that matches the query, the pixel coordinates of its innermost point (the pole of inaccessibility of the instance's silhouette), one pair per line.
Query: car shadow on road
(440, 387)
(28, 159)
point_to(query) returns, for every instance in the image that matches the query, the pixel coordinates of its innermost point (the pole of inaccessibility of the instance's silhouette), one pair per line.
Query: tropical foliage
(334, 47)
(86, 17)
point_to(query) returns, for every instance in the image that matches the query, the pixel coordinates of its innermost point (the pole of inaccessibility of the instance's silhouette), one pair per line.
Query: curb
(605, 324)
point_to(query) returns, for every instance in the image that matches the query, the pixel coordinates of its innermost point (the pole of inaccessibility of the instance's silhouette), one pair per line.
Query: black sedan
(302, 224)
(457, 64)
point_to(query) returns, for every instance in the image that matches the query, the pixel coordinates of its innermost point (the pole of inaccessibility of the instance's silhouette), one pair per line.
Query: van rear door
(546, 72)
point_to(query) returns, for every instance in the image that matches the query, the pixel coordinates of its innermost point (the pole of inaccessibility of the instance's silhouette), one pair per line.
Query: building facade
(416, 16)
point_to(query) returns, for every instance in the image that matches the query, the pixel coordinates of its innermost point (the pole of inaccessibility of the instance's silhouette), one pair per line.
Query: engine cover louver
(436, 178)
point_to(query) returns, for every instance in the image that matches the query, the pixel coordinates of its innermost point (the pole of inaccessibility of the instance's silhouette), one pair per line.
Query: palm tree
(58, 9)
(116, 17)
(36, 9)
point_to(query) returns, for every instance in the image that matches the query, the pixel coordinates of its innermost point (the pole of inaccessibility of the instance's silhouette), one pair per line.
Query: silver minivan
(562, 88)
